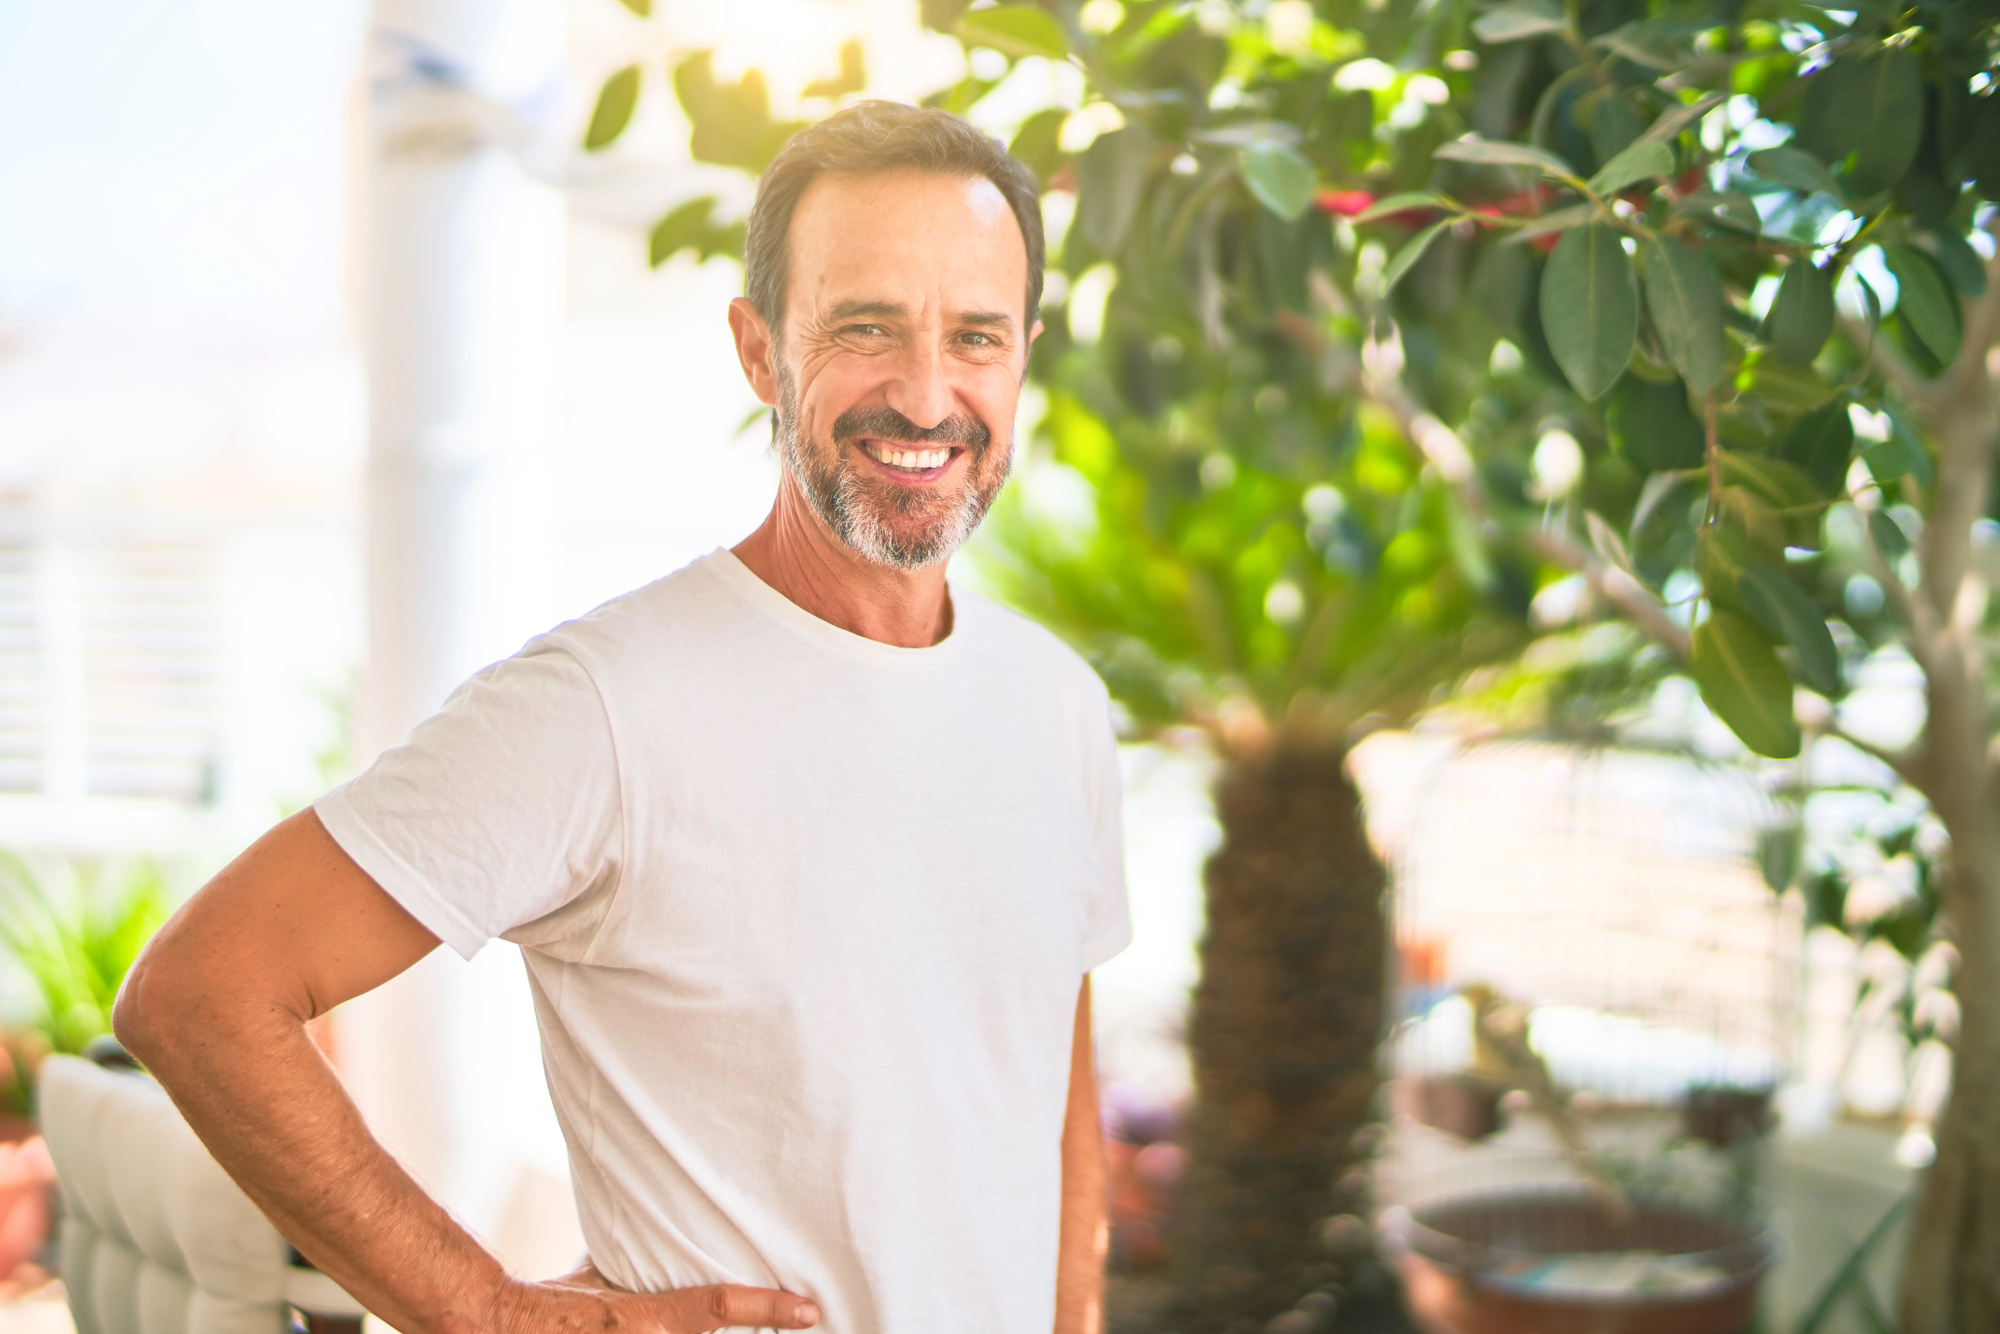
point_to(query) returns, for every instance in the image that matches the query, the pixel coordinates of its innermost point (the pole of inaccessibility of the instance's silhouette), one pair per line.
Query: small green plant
(74, 930)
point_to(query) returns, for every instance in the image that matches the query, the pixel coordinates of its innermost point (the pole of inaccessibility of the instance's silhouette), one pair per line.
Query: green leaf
(1721, 208)
(1789, 389)
(1853, 1271)
(1643, 44)
(731, 123)
(1744, 684)
(1870, 106)
(1590, 307)
(1925, 300)
(1403, 203)
(1889, 537)
(691, 227)
(1651, 426)
(643, 8)
(853, 76)
(1014, 30)
(1801, 317)
(1901, 455)
(1778, 854)
(1516, 21)
(1779, 486)
(1499, 153)
(1038, 142)
(1677, 118)
(1112, 173)
(613, 112)
(942, 15)
(1614, 125)
(1642, 160)
(1686, 308)
(1783, 609)
(1959, 261)
(1282, 180)
(1609, 545)
(1795, 168)
(1413, 250)
(1559, 221)
(1820, 444)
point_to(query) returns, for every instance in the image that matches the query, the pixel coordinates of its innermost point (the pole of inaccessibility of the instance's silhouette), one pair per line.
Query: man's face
(900, 359)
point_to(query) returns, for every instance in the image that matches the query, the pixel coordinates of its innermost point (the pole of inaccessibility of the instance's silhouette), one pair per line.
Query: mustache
(889, 424)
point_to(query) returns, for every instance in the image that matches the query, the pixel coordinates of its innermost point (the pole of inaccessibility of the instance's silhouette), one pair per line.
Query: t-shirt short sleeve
(500, 809)
(1109, 929)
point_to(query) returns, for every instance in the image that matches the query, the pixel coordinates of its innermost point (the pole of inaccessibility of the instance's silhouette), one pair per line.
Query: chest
(939, 823)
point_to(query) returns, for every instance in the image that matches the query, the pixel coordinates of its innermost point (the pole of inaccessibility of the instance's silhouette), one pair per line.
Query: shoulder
(642, 621)
(1025, 646)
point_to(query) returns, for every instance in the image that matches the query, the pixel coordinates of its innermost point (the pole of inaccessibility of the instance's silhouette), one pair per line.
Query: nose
(920, 387)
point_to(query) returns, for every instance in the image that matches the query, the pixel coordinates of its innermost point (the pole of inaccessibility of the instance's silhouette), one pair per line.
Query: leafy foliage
(1378, 321)
(75, 932)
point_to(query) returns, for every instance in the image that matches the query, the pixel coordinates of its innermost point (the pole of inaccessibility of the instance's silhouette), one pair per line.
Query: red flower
(1346, 203)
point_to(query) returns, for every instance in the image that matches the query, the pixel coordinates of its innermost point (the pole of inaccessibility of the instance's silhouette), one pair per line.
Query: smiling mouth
(914, 462)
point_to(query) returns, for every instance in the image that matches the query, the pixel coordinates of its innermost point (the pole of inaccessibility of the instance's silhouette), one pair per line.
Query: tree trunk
(1951, 1265)
(1283, 1034)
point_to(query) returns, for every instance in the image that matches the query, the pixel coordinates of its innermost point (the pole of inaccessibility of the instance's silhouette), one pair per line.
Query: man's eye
(981, 340)
(867, 330)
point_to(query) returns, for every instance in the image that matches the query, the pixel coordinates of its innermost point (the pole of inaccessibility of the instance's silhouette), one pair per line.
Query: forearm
(1083, 1235)
(272, 1112)
(217, 1008)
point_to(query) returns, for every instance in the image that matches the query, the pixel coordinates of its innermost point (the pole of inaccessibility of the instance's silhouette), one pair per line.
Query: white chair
(156, 1239)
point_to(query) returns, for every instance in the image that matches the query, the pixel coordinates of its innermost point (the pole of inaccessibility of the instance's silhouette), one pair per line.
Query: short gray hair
(872, 137)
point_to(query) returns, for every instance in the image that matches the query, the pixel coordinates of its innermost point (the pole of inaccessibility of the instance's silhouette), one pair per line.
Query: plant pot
(26, 1173)
(1546, 1260)
(1462, 1105)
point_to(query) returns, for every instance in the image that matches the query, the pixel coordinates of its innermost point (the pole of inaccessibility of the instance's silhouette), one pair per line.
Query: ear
(756, 350)
(1033, 333)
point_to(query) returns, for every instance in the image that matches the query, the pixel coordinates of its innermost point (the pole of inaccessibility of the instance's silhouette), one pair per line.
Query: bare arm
(216, 1008)
(1080, 1250)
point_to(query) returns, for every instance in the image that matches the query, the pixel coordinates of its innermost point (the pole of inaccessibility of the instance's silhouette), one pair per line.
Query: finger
(587, 1275)
(725, 1306)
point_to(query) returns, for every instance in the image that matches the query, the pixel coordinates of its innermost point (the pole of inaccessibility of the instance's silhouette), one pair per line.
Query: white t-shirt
(805, 916)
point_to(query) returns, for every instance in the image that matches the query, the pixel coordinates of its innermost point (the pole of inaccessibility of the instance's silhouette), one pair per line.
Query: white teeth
(910, 459)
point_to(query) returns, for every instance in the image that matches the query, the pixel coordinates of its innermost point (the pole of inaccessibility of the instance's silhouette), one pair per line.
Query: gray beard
(856, 509)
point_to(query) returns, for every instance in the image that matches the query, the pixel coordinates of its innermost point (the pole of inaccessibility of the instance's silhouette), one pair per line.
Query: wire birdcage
(1596, 1000)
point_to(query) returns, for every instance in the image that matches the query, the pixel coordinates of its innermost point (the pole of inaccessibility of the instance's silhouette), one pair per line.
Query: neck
(796, 554)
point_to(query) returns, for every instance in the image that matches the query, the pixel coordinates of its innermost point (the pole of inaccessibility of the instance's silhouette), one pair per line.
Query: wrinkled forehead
(926, 241)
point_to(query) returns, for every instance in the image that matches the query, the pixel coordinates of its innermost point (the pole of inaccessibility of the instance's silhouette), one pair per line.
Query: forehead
(913, 238)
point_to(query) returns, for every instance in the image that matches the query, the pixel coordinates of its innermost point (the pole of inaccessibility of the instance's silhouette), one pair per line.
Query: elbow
(140, 1017)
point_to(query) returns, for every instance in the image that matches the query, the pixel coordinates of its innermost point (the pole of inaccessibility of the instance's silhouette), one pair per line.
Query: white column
(463, 292)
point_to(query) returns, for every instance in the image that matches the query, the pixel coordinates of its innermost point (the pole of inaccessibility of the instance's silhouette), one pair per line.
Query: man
(809, 855)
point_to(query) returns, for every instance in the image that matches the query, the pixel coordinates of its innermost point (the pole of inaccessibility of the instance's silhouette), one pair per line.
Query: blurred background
(345, 347)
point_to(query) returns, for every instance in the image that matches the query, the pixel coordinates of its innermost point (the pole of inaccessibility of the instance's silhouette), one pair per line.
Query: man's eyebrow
(883, 310)
(862, 310)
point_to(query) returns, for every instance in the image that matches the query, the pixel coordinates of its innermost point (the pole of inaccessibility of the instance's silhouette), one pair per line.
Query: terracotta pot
(1462, 1105)
(25, 1177)
(1465, 1261)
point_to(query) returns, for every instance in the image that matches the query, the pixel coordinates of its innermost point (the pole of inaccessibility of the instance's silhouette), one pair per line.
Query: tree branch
(1892, 365)
(1620, 588)
(1963, 416)
(1447, 454)
(1901, 763)
(1915, 611)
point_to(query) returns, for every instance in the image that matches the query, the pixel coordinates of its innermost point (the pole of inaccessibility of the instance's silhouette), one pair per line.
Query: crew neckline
(769, 600)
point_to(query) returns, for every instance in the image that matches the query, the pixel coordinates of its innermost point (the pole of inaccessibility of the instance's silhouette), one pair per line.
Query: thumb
(731, 1305)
